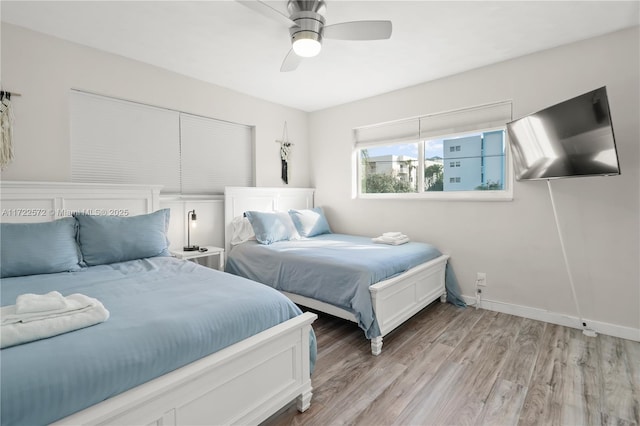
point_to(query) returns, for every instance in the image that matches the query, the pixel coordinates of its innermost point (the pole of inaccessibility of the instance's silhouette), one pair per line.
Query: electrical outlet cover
(481, 278)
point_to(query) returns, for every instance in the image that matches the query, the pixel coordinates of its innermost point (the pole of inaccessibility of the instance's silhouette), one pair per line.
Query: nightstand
(211, 251)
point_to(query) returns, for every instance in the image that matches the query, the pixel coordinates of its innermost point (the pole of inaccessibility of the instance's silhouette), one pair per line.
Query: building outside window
(390, 173)
(479, 161)
(467, 162)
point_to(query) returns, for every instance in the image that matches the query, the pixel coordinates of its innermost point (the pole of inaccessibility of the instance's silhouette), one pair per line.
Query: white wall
(514, 242)
(43, 69)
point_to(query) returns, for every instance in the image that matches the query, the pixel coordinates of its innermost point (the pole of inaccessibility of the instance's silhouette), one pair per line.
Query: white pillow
(241, 231)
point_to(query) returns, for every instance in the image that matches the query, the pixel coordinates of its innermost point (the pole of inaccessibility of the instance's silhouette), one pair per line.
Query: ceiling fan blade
(291, 62)
(268, 11)
(359, 30)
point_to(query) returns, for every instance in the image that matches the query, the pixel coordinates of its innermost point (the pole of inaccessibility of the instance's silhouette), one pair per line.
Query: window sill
(443, 196)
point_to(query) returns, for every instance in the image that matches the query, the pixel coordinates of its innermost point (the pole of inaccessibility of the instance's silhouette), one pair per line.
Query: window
(205, 169)
(116, 141)
(478, 165)
(458, 155)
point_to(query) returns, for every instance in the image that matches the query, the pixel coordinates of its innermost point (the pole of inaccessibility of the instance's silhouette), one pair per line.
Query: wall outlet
(481, 279)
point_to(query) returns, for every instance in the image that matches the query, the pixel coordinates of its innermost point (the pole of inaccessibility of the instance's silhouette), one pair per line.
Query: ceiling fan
(307, 28)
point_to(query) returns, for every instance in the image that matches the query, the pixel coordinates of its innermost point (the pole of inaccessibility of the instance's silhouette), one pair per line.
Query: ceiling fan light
(306, 44)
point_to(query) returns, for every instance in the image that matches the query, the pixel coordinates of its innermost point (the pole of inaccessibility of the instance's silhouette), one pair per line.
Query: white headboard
(45, 201)
(238, 200)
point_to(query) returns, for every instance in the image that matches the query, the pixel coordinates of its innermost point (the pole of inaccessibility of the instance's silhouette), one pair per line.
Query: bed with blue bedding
(277, 237)
(165, 313)
(334, 268)
(100, 325)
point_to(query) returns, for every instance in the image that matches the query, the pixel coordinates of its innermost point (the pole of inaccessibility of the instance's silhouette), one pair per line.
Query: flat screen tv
(570, 139)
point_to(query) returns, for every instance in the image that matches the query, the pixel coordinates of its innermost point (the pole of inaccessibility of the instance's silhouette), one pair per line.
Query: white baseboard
(614, 330)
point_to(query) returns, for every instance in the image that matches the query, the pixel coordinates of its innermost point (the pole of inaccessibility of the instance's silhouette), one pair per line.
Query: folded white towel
(391, 241)
(82, 311)
(392, 234)
(73, 304)
(29, 302)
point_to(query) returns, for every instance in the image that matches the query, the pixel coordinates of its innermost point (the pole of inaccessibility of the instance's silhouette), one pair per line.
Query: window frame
(505, 194)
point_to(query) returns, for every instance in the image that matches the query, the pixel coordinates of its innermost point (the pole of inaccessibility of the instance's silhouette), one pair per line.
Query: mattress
(165, 313)
(334, 268)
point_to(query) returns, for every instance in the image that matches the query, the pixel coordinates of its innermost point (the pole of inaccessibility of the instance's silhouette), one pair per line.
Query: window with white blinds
(214, 154)
(459, 154)
(116, 141)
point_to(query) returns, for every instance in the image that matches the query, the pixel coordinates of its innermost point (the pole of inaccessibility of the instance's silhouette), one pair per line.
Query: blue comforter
(165, 313)
(333, 268)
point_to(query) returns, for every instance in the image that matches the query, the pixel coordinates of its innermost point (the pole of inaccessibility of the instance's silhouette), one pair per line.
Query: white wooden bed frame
(394, 300)
(242, 384)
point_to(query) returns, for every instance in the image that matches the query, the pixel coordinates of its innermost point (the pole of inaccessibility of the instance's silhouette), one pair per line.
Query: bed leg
(303, 402)
(376, 345)
(443, 297)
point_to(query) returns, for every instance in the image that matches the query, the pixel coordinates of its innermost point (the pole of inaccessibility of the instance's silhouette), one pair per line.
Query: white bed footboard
(394, 300)
(399, 298)
(242, 384)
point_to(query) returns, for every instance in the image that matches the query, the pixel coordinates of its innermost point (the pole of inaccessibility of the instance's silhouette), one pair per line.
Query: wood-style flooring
(462, 366)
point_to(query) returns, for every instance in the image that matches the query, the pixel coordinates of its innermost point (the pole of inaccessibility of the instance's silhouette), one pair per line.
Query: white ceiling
(226, 43)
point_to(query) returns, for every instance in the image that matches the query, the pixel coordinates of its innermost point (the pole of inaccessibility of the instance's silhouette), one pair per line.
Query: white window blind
(386, 133)
(439, 124)
(114, 141)
(214, 154)
(465, 120)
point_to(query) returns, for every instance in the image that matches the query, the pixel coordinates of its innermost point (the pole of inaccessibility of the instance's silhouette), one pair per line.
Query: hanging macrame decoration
(285, 151)
(6, 131)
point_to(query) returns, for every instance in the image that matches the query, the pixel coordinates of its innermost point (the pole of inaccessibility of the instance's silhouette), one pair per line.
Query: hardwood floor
(455, 366)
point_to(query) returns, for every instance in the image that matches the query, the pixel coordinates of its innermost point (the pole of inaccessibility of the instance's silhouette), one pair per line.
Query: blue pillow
(38, 248)
(270, 227)
(310, 222)
(111, 239)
